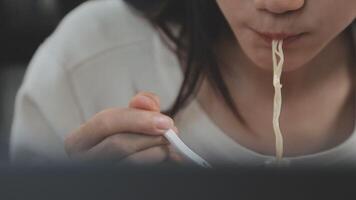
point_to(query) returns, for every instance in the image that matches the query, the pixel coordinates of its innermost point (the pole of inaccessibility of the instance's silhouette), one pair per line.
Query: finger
(118, 146)
(151, 156)
(145, 101)
(115, 121)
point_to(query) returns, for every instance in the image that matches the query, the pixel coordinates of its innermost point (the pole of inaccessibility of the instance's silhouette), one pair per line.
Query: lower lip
(286, 42)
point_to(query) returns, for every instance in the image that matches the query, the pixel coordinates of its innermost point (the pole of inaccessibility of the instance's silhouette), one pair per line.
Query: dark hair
(200, 24)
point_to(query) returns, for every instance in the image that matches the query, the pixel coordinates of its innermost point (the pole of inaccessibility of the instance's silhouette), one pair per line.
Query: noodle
(278, 61)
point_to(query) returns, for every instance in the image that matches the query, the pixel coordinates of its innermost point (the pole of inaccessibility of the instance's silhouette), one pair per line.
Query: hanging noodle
(278, 61)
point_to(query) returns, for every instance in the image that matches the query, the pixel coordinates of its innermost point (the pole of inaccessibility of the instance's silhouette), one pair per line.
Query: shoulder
(98, 32)
(95, 27)
(95, 41)
(92, 59)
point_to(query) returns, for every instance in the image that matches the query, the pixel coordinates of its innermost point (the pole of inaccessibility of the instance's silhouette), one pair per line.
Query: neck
(316, 104)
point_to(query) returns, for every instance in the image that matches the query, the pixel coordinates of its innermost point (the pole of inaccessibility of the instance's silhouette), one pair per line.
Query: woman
(206, 69)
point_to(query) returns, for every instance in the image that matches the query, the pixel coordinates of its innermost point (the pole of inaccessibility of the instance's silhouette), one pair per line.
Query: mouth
(288, 38)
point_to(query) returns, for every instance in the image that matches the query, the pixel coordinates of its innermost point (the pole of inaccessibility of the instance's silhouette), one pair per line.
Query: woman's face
(306, 26)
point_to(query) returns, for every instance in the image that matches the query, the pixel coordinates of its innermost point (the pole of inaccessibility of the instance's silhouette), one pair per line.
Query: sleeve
(46, 110)
(33, 139)
(48, 105)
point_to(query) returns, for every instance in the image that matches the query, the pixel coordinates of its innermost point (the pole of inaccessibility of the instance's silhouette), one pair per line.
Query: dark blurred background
(24, 24)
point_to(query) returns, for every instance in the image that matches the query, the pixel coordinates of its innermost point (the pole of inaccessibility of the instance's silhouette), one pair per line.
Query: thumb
(145, 101)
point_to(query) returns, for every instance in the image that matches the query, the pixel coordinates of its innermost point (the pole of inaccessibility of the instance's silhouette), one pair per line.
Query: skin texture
(318, 94)
(317, 110)
(116, 136)
(320, 21)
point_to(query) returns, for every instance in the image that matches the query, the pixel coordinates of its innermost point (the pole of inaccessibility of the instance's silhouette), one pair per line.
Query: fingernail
(163, 122)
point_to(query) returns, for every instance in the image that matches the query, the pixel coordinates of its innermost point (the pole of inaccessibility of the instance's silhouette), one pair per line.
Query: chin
(264, 62)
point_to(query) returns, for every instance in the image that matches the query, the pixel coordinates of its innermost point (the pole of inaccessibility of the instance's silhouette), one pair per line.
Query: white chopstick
(178, 144)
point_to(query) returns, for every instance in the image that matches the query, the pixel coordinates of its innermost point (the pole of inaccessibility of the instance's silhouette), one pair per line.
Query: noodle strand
(278, 61)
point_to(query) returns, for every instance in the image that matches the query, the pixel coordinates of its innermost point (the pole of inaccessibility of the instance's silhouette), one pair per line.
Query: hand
(131, 135)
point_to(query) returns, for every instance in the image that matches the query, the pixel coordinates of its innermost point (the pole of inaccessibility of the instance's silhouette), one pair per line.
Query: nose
(279, 6)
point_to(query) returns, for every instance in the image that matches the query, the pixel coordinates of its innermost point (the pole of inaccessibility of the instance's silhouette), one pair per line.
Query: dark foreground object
(175, 183)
